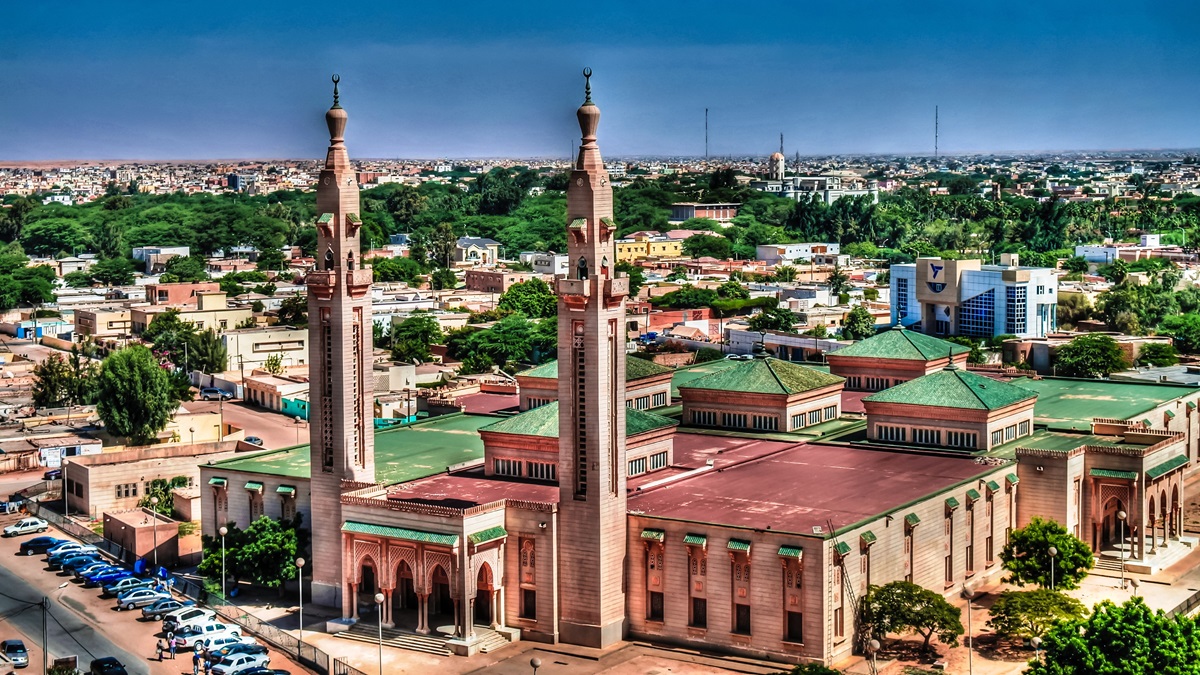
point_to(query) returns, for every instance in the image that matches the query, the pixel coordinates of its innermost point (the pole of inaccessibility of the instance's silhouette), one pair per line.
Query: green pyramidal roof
(765, 376)
(543, 421)
(635, 369)
(954, 388)
(902, 344)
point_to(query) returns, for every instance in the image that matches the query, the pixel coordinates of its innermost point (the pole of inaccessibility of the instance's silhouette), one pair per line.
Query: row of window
(538, 402)
(534, 470)
(656, 461)
(646, 402)
(872, 383)
(123, 490)
(814, 417)
(1011, 432)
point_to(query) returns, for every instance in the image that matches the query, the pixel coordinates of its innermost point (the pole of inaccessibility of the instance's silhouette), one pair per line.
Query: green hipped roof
(974, 495)
(993, 486)
(951, 503)
(1167, 466)
(842, 548)
(765, 376)
(738, 545)
(902, 344)
(912, 519)
(1113, 473)
(635, 369)
(654, 535)
(543, 421)
(1012, 478)
(868, 537)
(791, 552)
(695, 539)
(954, 388)
(401, 533)
(1170, 414)
(490, 534)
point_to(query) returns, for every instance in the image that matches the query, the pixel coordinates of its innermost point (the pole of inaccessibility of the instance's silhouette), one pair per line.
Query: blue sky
(165, 80)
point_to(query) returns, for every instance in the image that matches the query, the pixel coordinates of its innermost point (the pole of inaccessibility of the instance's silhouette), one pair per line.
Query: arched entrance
(484, 591)
(441, 605)
(1175, 514)
(368, 584)
(1110, 534)
(405, 606)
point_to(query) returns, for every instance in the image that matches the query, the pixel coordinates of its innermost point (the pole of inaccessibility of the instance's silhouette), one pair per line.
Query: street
(276, 429)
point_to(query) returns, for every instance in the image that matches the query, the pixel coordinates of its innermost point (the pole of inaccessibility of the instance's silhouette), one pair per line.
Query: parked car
(95, 567)
(75, 561)
(140, 597)
(67, 547)
(105, 577)
(107, 666)
(214, 394)
(240, 663)
(26, 526)
(185, 615)
(203, 633)
(254, 440)
(15, 652)
(124, 584)
(52, 474)
(160, 609)
(39, 545)
(228, 645)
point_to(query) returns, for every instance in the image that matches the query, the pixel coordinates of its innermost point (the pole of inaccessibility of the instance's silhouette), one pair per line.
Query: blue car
(75, 562)
(95, 568)
(39, 545)
(105, 578)
(57, 556)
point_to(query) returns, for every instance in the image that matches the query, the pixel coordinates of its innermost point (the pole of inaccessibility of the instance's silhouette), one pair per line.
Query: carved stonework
(364, 550)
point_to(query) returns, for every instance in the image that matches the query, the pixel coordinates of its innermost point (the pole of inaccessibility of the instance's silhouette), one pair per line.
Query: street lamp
(154, 515)
(1121, 516)
(192, 430)
(1133, 583)
(969, 594)
(873, 649)
(535, 663)
(297, 421)
(300, 574)
(1053, 553)
(223, 531)
(379, 605)
(63, 468)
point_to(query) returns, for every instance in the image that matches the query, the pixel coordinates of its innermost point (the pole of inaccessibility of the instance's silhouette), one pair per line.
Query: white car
(26, 526)
(186, 615)
(205, 633)
(240, 663)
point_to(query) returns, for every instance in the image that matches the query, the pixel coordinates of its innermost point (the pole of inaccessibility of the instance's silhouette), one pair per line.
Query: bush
(706, 354)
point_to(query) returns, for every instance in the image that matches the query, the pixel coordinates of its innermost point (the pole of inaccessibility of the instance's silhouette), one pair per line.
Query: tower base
(590, 635)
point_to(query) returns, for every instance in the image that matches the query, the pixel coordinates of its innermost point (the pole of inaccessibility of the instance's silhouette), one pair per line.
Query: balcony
(616, 288)
(577, 287)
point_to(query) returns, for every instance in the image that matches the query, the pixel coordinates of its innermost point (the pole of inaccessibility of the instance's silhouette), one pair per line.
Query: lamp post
(379, 605)
(1121, 516)
(300, 575)
(63, 468)
(192, 431)
(154, 515)
(969, 594)
(1053, 554)
(535, 663)
(873, 650)
(223, 531)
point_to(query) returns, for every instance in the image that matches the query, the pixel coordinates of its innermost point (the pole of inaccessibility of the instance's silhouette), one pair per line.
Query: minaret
(591, 395)
(339, 343)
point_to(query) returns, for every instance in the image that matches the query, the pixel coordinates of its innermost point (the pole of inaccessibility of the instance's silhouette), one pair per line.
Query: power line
(71, 635)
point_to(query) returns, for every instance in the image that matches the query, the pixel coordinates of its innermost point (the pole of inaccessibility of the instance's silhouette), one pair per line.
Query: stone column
(495, 607)
(353, 600)
(468, 619)
(1153, 537)
(458, 631)
(423, 613)
(386, 609)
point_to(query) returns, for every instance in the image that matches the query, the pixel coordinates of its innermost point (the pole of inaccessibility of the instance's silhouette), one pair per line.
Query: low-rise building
(1038, 353)
(102, 324)
(647, 385)
(793, 254)
(764, 394)
(893, 357)
(720, 212)
(495, 280)
(212, 313)
(251, 347)
(179, 293)
(477, 250)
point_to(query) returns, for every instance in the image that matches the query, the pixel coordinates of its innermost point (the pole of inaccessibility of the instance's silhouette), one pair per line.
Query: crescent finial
(587, 86)
(336, 78)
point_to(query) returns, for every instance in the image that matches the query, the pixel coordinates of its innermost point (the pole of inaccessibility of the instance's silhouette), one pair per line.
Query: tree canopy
(533, 298)
(413, 337)
(136, 396)
(859, 324)
(1028, 614)
(1027, 558)
(263, 554)
(902, 606)
(1090, 356)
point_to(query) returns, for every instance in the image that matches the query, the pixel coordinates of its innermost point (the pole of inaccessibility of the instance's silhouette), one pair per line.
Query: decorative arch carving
(363, 551)
(396, 556)
(446, 562)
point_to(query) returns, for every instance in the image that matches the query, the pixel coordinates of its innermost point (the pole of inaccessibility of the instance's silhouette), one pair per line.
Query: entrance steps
(434, 643)
(1110, 564)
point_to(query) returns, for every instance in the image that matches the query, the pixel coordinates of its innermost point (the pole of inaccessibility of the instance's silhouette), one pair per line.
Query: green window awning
(578, 223)
(912, 519)
(1167, 467)
(695, 539)
(353, 217)
(325, 218)
(791, 552)
(490, 534)
(401, 533)
(1146, 421)
(868, 537)
(951, 503)
(1112, 473)
(654, 535)
(286, 490)
(1012, 479)
(1170, 415)
(219, 482)
(254, 485)
(993, 486)
(1191, 405)
(738, 545)
(842, 548)
(974, 495)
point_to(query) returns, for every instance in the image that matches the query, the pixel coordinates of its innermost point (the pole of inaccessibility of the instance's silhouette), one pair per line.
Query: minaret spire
(587, 86)
(781, 143)
(336, 78)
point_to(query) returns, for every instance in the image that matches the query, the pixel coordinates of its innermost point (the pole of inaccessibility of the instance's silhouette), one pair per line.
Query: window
(949, 564)
(637, 466)
(830, 412)
(641, 402)
(506, 467)
(1041, 290)
(960, 439)
(126, 490)
(798, 421)
(795, 627)
(997, 437)
(699, 613)
(660, 399)
(256, 506)
(901, 298)
(766, 422)
(1010, 432)
(658, 460)
(537, 402)
(656, 607)
(876, 383)
(927, 436)
(287, 508)
(528, 603)
(976, 316)
(705, 418)
(814, 417)
(1015, 307)
(734, 420)
(541, 470)
(1023, 429)
(741, 624)
(839, 622)
(888, 433)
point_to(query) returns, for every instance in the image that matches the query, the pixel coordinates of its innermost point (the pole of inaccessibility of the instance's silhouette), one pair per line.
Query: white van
(187, 615)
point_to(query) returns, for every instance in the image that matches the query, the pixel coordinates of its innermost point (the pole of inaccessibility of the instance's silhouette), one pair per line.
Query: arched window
(582, 269)
(350, 261)
(328, 260)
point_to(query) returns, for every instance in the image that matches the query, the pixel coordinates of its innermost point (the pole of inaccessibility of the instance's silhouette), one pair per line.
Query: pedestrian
(159, 648)
(207, 667)
(174, 643)
(196, 662)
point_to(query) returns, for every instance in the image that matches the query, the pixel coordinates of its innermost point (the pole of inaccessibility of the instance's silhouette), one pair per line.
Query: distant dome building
(777, 165)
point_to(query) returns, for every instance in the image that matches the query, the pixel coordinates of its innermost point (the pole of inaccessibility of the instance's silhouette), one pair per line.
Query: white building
(549, 263)
(966, 297)
(791, 254)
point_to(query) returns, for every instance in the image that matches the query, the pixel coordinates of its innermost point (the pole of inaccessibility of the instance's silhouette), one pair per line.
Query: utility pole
(46, 634)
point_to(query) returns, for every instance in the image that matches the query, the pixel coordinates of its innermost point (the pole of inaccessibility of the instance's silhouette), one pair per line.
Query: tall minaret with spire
(591, 395)
(339, 351)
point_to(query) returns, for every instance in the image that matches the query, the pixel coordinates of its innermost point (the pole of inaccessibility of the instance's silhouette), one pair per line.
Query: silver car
(139, 597)
(15, 652)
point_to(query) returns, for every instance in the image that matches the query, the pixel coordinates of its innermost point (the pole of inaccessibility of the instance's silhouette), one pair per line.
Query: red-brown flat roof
(852, 401)
(692, 451)
(804, 487)
(483, 404)
(466, 489)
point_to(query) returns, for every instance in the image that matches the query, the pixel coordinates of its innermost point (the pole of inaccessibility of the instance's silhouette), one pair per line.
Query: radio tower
(706, 134)
(935, 133)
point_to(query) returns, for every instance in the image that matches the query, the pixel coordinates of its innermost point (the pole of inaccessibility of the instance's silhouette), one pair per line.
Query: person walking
(173, 644)
(159, 648)
(196, 661)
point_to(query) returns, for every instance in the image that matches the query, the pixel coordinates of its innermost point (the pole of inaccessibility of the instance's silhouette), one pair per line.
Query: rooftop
(635, 369)
(1062, 441)
(902, 344)
(543, 421)
(954, 388)
(765, 376)
(1065, 403)
(472, 488)
(401, 454)
(806, 486)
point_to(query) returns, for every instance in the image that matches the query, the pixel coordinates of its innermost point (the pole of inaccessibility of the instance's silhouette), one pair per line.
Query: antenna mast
(935, 132)
(706, 134)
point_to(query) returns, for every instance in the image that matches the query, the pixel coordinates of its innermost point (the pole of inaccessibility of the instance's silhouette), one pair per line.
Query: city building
(156, 257)
(764, 394)
(966, 297)
(1037, 353)
(495, 281)
(249, 348)
(794, 254)
(722, 213)
(892, 357)
(648, 245)
(212, 312)
(477, 250)
(549, 263)
(102, 324)
(180, 292)
(647, 385)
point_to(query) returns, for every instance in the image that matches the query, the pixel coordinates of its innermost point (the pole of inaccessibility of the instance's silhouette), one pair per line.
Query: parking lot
(80, 621)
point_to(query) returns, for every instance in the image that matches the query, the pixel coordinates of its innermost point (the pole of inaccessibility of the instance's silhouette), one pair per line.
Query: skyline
(147, 82)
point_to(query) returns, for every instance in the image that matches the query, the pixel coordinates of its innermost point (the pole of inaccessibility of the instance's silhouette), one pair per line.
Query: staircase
(487, 640)
(490, 640)
(1110, 564)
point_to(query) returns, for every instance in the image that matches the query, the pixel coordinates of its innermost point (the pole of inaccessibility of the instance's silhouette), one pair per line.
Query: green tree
(51, 390)
(274, 364)
(136, 395)
(164, 490)
(1028, 614)
(443, 278)
(733, 290)
(207, 353)
(902, 606)
(413, 337)
(1184, 329)
(113, 272)
(395, 269)
(1157, 355)
(185, 269)
(838, 281)
(785, 273)
(774, 318)
(52, 236)
(976, 354)
(679, 273)
(1076, 264)
(263, 554)
(636, 277)
(859, 324)
(1090, 356)
(813, 669)
(687, 297)
(532, 298)
(1027, 557)
(293, 312)
(1129, 639)
(271, 259)
(817, 331)
(713, 246)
